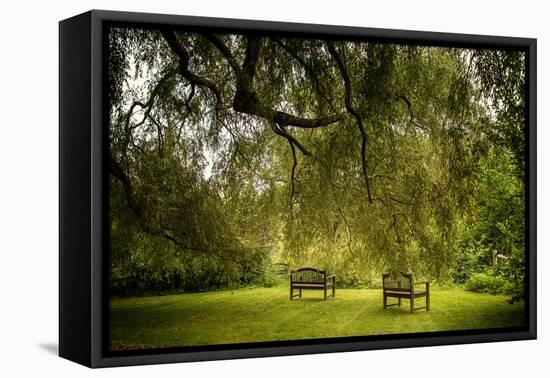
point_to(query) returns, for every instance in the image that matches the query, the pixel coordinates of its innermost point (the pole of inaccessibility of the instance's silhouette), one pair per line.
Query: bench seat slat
(404, 294)
(397, 289)
(311, 287)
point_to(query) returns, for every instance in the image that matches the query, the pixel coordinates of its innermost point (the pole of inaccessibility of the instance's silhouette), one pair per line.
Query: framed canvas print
(234, 188)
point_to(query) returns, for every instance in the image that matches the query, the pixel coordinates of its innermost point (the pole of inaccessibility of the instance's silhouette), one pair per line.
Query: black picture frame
(83, 193)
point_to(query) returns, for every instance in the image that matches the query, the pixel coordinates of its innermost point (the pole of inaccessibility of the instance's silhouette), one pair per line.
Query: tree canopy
(230, 151)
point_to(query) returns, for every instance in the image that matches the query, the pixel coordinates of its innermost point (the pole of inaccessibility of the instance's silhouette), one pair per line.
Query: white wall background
(29, 186)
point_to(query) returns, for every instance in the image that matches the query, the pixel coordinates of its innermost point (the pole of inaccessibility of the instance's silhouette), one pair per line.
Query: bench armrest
(426, 283)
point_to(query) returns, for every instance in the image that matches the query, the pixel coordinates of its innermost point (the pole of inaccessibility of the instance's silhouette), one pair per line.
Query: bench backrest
(308, 275)
(279, 268)
(397, 282)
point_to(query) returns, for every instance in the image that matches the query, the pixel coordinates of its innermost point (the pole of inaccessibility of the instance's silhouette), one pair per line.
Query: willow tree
(359, 155)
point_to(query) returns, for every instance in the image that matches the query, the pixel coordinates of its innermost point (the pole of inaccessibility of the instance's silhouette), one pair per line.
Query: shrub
(487, 283)
(354, 280)
(270, 279)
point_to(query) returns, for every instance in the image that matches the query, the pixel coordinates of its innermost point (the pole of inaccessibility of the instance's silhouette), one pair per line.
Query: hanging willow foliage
(346, 155)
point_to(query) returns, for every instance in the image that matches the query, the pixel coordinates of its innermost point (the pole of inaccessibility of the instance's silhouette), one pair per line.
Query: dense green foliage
(487, 283)
(230, 152)
(267, 315)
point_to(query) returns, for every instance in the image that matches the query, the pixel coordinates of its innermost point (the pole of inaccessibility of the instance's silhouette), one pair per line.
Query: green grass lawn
(267, 314)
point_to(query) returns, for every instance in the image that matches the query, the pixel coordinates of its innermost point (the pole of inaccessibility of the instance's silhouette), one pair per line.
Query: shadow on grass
(311, 299)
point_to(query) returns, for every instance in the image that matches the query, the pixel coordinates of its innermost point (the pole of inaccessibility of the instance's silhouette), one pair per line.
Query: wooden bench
(403, 287)
(280, 268)
(311, 279)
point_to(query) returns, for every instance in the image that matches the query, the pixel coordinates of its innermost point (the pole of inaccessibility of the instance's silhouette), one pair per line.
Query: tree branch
(286, 119)
(354, 113)
(183, 57)
(292, 173)
(252, 54)
(312, 73)
(412, 118)
(403, 202)
(118, 172)
(148, 106)
(246, 99)
(224, 50)
(394, 216)
(279, 130)
(349, 230)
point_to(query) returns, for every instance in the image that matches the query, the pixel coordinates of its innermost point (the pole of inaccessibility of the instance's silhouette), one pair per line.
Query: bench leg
(427, 296)
(399, 299)
(300, 293)
(325, 293)
(385, 301)
(291, 292)
(333, 290)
